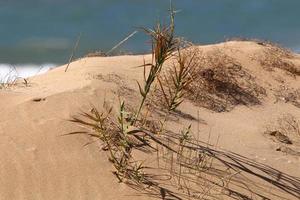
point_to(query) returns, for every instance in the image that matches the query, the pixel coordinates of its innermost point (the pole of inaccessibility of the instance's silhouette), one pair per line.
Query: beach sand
(38, 162)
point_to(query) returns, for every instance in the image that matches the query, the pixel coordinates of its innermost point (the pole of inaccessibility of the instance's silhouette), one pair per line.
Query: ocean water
(34, 33)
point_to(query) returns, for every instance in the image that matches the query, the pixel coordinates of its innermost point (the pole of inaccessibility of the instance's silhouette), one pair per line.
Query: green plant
(183, 138)
(176, 81)
(163, 45)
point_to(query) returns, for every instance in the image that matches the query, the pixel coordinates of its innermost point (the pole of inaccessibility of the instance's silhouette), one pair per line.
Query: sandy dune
(37, 162)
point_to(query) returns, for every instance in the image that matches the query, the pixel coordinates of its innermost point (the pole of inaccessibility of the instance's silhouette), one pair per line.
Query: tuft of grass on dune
(11, 79)
(220, 83)
(216, 81)
(274, 56)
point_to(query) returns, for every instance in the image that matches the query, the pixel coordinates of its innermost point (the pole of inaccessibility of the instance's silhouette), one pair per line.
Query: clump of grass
(117, 138)
(279, 136)
(262, 42)
(289, 125)
(288, 95)
(276, 56)
(271, 59)
(285, 129)
(220, 83)
(96, 54)
(10, 79)
(278, 49)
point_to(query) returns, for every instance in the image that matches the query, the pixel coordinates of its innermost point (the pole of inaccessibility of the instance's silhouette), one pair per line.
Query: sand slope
(37, 162)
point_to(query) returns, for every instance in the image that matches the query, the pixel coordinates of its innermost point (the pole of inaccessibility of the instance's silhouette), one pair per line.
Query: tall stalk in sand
(163, 45)
(173, 84)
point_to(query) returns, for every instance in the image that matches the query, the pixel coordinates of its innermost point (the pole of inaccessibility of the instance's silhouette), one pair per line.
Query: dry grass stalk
(164, 44)
(73, 52)
(190, 169)
(121, 42)
(174, 82)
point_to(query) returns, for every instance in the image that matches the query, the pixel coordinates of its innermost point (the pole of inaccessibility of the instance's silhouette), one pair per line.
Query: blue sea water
(37, 32)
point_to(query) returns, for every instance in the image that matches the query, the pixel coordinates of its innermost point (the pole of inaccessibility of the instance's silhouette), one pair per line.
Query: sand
(38, 162)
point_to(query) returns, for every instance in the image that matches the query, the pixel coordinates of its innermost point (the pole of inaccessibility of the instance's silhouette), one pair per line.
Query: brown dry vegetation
(286, 132)
(275, 56)
(220, 83)
(217, 81)
(96, 54)
(288, 95)
(287, 125)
